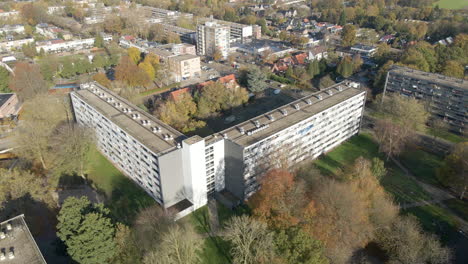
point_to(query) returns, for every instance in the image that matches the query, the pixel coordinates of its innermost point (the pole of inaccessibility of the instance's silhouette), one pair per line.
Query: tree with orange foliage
(129, 73)
(282, 202)
(102, 79)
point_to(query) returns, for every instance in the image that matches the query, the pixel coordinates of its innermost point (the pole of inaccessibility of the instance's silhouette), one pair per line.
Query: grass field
(404, 189)
(441, 222)
(422, 164)
(459, 207)
(452, 4)
(449, 136)
(123, 197)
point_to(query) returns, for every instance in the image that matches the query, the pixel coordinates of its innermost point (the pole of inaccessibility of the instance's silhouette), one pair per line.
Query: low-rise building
(9, 105)
(9, 29)
(446, 97)
(59, 45)
(364, 50)
(184, 67)
(52, 32)
(6, 46)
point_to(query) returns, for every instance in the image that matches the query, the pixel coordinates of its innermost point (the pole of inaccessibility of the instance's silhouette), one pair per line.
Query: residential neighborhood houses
(143, 131)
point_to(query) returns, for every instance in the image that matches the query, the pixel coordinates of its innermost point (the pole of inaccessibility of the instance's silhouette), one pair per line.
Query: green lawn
(199, 220)
(404, 189)
(435, 219)
(422, 164)
(345, 154)
(452, 4)
(215, 251)
(123, 197)
(459, 207)
(454, 138)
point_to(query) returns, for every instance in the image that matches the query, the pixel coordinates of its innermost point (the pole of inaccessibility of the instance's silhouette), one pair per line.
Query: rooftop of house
(152, 132)
(268, 124)
(431, 77)
(17, 244)
(4, 97)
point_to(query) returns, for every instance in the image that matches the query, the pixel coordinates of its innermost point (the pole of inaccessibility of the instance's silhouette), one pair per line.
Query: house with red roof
(229, 81)
(177, 94)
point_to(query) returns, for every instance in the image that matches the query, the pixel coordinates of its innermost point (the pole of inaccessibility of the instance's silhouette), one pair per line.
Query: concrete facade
(176, 170)
(446, 97)
(212, 36)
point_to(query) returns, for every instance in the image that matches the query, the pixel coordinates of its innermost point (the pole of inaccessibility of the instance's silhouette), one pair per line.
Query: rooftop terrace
(152, 132)
(17, 246)
(265, 125)
(431, 77)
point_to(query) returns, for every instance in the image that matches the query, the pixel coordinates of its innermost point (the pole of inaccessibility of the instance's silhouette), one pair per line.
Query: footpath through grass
(123, 197)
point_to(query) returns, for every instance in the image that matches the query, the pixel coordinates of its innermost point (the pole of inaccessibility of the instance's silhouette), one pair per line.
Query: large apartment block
(181, 172)
(237, 32)
(212, 36)
(446, 97)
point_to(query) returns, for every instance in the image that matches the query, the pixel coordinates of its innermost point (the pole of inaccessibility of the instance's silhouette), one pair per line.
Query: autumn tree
(72, 145)
(454, 69)
(148, 68)
(17, 183)
(134, 54)
(281, 202)
(453, 172)
(179, 113)
(34, 13)
(129, 73)
(172, 37)
(313, 68)
(216, 97)
(405, 242)
(401, 118)
(87, 231)
(252, 242)
(217, 55)
(325, 82)
(41, 116)
(27, 81)
(348, 36)
(102, 79)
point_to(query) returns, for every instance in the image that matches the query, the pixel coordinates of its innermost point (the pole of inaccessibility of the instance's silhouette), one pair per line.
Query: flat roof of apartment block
(430, 77)
(17, 244)
(150, 131)
(265, 125)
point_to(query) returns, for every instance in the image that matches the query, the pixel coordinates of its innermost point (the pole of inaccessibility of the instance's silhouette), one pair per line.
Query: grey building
(180, 172)
(445, 97)
(17, 244)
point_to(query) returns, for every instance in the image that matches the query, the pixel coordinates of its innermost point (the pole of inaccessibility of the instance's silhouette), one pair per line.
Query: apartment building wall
(184, 66)
(445, 97)
(212, 37)
(124, 151)
(180, 170)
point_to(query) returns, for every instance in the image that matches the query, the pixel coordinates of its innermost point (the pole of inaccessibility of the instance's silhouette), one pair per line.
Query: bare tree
(72, 144)
(402, 118)
(33, 137)
(179, 245)
(252, 242)
(27, 81)
(405, 242)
